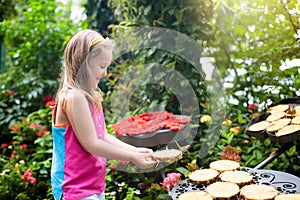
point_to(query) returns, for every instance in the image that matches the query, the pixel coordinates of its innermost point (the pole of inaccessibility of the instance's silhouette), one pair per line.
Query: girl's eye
(102, 67)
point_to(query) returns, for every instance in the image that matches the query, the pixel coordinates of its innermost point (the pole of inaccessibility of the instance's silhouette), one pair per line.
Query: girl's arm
(116, 142)
(79, 116)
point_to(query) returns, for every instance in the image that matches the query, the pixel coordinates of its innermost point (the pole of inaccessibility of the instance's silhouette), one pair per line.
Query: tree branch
(289, 16)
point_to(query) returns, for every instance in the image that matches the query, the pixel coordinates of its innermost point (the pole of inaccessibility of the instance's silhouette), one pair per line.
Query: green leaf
(257, 154)
(183, 170)
(163, 197)
(267, 142)
(240, 118)
(229, 139)
(291, 151)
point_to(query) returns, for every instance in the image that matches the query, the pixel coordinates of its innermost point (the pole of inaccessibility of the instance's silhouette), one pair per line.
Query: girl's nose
(104, 73)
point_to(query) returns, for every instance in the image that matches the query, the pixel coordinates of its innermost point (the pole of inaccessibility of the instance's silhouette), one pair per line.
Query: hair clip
(98, 41)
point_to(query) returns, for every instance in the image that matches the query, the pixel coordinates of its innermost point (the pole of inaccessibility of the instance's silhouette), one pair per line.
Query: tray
(292, 101)
(163, 136)
(265, 134)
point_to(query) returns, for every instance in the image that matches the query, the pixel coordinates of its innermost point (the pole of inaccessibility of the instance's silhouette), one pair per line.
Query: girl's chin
(96, 84)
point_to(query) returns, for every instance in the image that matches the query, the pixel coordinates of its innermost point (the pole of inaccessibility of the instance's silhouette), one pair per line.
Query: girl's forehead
(106, 53)
(105, 56)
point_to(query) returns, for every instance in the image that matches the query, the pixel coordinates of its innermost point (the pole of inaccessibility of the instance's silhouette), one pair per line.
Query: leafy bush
(35, 40)
(26, 159)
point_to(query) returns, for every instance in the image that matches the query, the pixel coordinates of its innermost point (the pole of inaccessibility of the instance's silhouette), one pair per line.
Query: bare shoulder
(70, 102)
(76, 102)
(78, 112)
(75, 96)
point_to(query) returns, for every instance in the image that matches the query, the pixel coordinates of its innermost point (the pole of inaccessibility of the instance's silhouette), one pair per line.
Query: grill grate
(285, 183)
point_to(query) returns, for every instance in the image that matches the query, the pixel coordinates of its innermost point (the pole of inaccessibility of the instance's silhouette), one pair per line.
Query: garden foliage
(34, 38)
(251, 42)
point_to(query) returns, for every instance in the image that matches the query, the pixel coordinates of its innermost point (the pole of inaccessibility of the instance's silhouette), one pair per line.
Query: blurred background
(253, 44)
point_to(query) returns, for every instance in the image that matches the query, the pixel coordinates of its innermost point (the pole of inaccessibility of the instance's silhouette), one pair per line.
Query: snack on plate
(224, 165)
(279, 107)
(223, 190)
(288, 197)
(167, 155)
(296, 120)
(241, 178)
(288, 130)
(194, 196)
(278, 124)
(275, 116)
(203, 176)
(258, 192)
(259, 126)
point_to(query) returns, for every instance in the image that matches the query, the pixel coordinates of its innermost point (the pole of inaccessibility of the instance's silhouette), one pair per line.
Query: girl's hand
(143, 150)
(144, 160)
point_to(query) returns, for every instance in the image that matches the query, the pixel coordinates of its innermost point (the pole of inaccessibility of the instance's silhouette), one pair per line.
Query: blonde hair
(76, 74)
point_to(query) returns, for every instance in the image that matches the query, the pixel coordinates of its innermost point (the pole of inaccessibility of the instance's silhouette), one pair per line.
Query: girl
(80, 142)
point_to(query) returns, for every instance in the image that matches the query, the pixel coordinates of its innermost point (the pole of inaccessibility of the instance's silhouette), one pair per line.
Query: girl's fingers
(145, 150)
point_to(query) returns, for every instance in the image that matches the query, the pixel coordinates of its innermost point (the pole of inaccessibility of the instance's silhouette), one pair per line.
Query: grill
(285, 183)
(292, 102)
(160, 137)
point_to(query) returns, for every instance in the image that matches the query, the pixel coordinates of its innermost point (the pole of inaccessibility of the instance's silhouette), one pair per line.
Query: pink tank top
(80, 173)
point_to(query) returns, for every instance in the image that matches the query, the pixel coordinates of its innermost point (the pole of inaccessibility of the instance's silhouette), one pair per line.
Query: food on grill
(275, 116)
(224, 165)
(223, 190)
(278, 124)
(203, 176)
(288, 197)
(296, 120)
(258, 192)
(239, 177)
(149, 122)
(284, 120)
(194, 196)
(288, 130)
(167, 155)
(259, 126)
(176, 124)
(279, 107)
